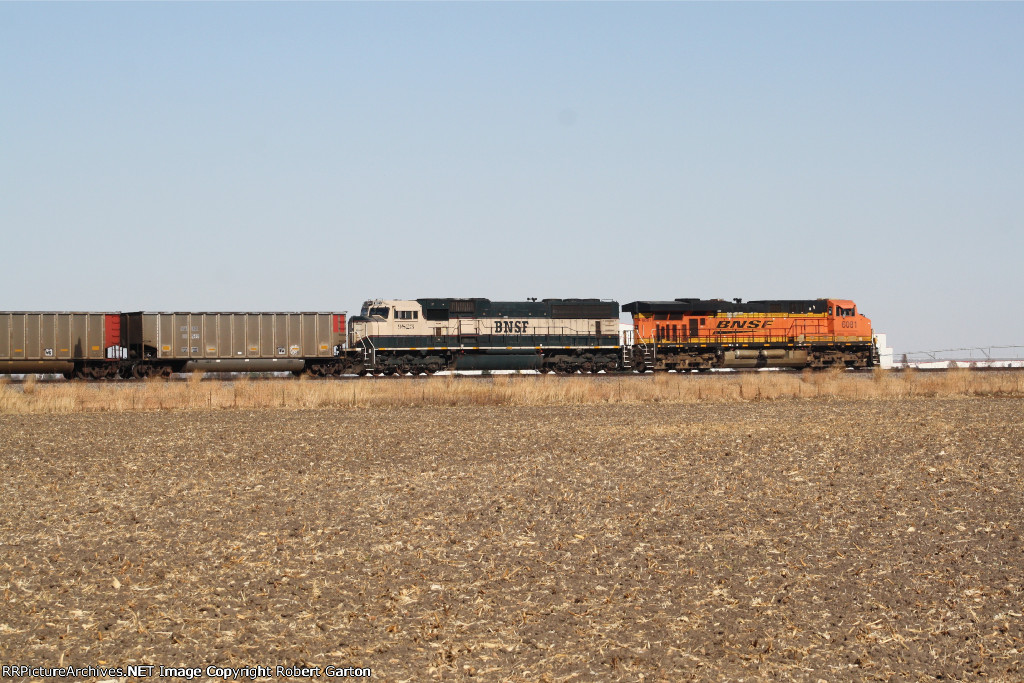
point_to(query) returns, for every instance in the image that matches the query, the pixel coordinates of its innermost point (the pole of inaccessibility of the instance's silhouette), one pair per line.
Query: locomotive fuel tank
(764, 358)
(494, 360)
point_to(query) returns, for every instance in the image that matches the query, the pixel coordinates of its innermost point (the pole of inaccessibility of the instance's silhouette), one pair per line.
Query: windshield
(375, 309)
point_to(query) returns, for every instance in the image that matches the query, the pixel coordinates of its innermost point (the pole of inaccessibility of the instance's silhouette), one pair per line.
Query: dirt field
(789, 539)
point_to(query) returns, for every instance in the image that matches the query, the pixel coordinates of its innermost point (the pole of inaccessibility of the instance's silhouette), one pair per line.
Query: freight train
(424, 336)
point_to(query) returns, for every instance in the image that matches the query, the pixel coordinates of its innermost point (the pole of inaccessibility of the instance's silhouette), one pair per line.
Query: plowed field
(791, 539)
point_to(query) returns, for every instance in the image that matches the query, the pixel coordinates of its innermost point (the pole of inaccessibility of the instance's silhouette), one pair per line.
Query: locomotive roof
(709, 306)
(545, 308)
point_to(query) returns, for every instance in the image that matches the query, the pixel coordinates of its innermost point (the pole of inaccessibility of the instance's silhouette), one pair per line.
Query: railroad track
(229, 377)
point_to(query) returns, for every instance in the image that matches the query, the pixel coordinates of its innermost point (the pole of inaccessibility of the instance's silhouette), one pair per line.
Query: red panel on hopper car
(112, 330)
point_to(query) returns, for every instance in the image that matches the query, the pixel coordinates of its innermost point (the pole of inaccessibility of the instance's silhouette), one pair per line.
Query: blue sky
(263, 156)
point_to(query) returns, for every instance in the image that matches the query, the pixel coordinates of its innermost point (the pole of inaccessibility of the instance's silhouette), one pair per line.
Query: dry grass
(155, 395)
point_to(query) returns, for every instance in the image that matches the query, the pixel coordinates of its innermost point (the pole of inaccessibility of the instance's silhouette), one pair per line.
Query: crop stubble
(836, 540)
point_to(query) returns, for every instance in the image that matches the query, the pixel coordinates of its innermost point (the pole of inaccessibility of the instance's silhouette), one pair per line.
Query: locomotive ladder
(648, 353)
(369, 353)
(628, 342)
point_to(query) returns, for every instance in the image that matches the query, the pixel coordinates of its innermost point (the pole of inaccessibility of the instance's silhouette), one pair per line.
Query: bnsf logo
(743, 324)
(511, 326)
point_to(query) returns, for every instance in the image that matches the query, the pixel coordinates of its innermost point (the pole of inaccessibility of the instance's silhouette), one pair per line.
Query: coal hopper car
(158, 344)
(75, 344)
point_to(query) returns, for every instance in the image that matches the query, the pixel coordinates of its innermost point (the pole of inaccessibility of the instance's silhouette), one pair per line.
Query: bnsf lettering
(511, 326)
(743, 324)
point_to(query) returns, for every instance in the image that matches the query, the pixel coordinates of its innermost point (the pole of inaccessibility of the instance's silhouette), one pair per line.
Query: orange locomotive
(696, 334)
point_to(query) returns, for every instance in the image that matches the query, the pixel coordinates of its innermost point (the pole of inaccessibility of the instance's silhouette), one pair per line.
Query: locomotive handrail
(750, 339)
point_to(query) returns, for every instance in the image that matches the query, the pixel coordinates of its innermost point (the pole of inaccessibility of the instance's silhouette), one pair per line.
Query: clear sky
(263, 156)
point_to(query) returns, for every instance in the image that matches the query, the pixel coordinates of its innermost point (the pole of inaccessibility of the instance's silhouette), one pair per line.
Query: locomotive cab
(387, 318)
(846, 324)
